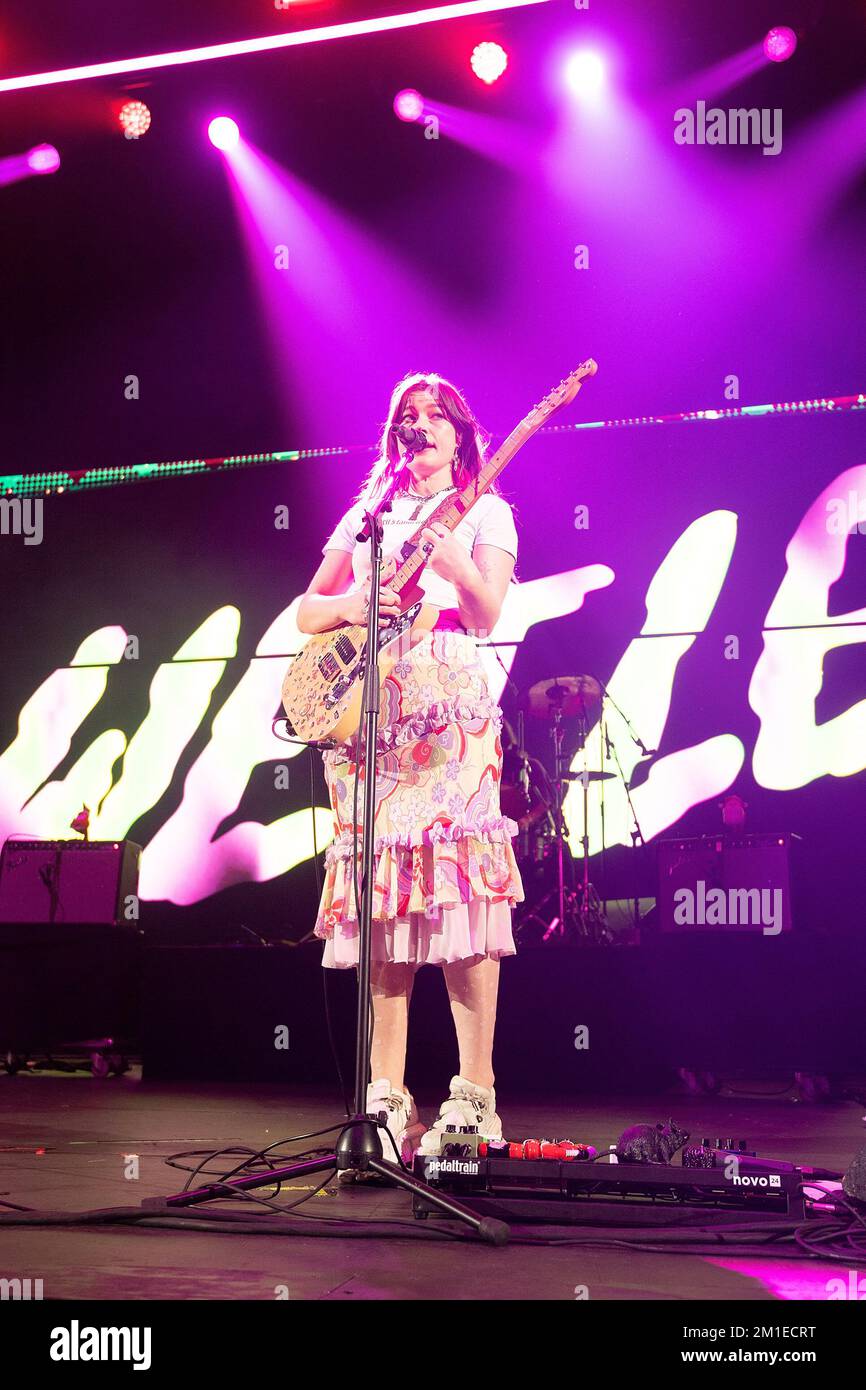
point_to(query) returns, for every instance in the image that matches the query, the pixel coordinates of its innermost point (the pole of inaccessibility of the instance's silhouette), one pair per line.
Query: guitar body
(323, 688)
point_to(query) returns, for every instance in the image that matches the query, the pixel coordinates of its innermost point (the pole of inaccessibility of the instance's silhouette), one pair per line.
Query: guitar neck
(452, 511)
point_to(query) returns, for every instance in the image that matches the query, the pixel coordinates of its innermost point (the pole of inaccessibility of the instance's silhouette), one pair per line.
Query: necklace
(423, 499)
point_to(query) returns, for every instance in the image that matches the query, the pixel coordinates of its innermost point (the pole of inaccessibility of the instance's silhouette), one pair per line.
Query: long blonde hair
(471, 439)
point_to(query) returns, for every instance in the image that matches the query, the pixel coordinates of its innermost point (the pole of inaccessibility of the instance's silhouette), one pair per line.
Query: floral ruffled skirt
(445, 875)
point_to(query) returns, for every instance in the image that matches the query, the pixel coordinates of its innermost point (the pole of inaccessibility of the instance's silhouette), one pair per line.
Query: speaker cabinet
(725, 883)
(74, 881)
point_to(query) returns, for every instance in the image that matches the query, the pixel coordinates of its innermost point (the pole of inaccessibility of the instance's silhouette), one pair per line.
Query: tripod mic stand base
(358, 1143)
(359, 1146)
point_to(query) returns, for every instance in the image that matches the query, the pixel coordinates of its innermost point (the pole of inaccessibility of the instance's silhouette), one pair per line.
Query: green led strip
(83, 479)
(80, 479)
(824, 405)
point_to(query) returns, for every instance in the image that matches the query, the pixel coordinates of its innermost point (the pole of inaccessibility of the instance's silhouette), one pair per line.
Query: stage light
(223, 132)
(135, 119)
(584, 73)
(409, 104)
(43, 159)
(269, 43)
(489, 61)
(780, 43)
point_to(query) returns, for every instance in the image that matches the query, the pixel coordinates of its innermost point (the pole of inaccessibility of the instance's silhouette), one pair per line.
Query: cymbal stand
(637, 838)
(590, 914)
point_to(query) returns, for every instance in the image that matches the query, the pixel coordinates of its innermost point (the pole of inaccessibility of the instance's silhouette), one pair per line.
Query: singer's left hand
(447, 558)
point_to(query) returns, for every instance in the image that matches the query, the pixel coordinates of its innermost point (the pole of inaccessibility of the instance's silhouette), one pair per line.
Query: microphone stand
(359, 1145)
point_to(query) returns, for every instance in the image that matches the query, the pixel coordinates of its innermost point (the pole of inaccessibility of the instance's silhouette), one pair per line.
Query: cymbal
(568, 694)
(590, 776)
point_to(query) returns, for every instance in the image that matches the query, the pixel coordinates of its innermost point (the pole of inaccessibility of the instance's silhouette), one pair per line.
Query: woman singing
(446, 878)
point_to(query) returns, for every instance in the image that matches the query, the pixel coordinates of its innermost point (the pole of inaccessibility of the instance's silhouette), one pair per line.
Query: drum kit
(561, 905)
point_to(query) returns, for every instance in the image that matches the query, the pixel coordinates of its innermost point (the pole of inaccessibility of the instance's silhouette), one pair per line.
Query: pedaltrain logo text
(189, 858)
(467, 1167)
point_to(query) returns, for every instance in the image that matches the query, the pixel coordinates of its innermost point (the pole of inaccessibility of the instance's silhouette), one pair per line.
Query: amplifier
(725, 882)
(75, 881)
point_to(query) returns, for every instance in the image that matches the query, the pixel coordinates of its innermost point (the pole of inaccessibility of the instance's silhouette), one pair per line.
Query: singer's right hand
(356, 602)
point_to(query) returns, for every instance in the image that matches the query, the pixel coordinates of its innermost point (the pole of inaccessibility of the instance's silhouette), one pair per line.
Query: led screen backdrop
(710, 573)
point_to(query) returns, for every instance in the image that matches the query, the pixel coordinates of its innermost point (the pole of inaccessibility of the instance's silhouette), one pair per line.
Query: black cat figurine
(650, 1143)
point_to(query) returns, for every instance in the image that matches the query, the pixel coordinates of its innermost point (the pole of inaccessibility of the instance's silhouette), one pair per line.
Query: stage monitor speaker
(752, 873)
(75, 881)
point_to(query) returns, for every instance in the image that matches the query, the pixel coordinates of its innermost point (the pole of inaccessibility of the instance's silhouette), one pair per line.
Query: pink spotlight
(223, 132)
(134, 117)
(780, 43)
(409, 104)
(489, 61)
(43, 159)
(584, 73)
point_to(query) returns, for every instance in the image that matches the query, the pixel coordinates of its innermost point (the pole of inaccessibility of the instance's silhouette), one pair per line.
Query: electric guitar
(322, 688)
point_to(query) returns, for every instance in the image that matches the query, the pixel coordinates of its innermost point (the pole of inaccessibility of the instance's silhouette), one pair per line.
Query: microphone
(414, 440)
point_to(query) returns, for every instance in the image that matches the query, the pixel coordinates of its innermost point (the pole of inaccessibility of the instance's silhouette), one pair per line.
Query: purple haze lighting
(409, 104)
(584, 73)
(316, 270)
(489, 61)
(43, 159)
(506, 142)
(223, 132)
(711, 82)
(780, 43)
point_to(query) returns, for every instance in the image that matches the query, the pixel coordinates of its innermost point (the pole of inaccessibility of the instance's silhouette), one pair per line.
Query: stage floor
(87, 1128)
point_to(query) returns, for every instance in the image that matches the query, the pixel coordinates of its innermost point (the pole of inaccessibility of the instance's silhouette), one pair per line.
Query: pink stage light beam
(224, 133)
(267, 44)
(584, 74)
(780, 43)
(409, 105)
(42, 159)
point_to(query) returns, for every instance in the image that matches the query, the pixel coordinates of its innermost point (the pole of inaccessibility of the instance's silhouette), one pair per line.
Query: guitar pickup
(345, 649)
(328, 666)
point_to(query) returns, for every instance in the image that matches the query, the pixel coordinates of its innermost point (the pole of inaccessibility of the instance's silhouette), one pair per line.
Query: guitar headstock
(565, 392)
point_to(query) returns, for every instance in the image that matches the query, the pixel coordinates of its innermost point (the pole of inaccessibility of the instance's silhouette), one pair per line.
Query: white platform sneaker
(467, 1105)
(401, 1124)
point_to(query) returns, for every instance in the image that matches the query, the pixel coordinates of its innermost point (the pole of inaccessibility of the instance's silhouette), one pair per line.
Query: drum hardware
(571, 695)
(587, 777)
(577, 910)
(569, 910)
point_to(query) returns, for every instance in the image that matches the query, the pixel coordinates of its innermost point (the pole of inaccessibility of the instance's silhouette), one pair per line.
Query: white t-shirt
(490, 522)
